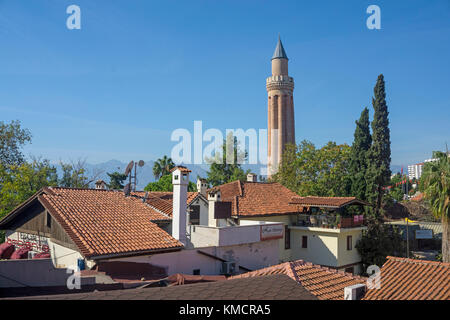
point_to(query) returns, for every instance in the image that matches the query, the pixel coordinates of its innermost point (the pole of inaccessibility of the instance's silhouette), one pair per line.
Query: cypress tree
(358, 156)
(379, 156)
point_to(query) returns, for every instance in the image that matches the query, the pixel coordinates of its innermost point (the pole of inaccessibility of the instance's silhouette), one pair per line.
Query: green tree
(435, 183)
(379, 241)
(162, 167)
(75, 175)
(12, 139)
(222, 170)
(397, 186)
(379, 156)
(319, 172)
(358, 156)
(19, 182)
(116, 180)
(165, 184)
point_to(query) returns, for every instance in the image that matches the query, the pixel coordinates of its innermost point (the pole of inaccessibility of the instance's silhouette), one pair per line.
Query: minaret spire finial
(279, 50)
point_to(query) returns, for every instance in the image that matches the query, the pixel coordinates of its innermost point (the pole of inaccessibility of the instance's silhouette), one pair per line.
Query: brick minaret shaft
(281, 124)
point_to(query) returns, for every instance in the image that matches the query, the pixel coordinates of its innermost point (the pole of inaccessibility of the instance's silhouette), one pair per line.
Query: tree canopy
(379, 241)
(223, 169)
(319, 172)
(19, 182)
(162, 167)
(379, 155)
(435, 184)
(116, 180)
(165, 184)
(358, 156)
(12, 139)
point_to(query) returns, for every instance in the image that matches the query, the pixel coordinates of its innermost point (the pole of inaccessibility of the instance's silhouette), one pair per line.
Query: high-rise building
(281, 124)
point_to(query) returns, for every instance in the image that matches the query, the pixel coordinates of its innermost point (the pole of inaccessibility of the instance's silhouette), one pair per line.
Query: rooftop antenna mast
(128, 170)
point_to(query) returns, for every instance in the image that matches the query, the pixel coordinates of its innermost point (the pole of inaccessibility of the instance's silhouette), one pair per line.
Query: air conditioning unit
(228, 267)
(355, 292)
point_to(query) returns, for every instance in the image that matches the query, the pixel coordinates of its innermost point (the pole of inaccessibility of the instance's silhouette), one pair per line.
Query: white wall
(322, 247)
(253, 256)
(35, 273)
(284, 254)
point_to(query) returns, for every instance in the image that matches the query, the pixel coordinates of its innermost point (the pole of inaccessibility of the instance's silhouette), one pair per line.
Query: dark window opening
(196, 272)
(194, 216)
(304, 241)
(349, 243)
(287, 238)
(48, 220)
(350, 270)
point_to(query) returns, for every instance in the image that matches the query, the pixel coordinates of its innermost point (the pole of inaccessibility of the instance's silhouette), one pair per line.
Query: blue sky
(139, 69)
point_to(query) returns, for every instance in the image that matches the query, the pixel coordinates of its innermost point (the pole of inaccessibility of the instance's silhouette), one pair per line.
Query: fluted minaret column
(281, 124)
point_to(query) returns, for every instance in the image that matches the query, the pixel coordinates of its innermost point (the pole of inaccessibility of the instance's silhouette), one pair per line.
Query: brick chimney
(180, 181)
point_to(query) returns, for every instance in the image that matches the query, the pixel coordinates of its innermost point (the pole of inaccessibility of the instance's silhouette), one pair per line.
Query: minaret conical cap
(279, 51)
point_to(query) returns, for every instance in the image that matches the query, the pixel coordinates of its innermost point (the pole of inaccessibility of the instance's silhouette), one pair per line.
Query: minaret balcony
(280, 82)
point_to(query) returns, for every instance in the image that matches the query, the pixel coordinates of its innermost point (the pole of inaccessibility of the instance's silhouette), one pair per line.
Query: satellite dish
(127, 189)
(129, 168)
(141, 163)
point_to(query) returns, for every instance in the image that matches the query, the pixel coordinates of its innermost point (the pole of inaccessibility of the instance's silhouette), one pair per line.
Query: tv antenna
(129, 172)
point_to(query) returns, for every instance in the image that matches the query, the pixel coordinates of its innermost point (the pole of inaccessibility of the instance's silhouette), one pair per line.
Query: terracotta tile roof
(333, 202)
(257, 199)
(271, 287)
(102, 222)
(324, 283)
(419, 197)
(162, 201)
(181, 168)
(409, 279)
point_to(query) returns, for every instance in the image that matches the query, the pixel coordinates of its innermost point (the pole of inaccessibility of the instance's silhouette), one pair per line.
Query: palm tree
(162, 167)
(436, 188)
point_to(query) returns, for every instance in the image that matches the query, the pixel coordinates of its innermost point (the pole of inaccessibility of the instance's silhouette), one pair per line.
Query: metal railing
(329, 221)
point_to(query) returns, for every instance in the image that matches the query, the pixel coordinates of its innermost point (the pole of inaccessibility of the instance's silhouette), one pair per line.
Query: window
(349, 243)
(304, 241)
(196, 272)
(48, 220)
(349, 270)
(287, 238)
(194, 215)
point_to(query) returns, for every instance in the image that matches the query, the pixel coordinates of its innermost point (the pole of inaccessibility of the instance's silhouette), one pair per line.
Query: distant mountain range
(145, 173)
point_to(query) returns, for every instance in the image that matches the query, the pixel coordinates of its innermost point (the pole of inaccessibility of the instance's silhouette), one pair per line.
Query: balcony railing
(329, 221)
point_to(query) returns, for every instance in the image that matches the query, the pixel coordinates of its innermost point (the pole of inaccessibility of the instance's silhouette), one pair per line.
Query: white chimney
(251, 177)
(213, 197)
(180, 181)
(202, 186)
(100, 185)
(355, 292)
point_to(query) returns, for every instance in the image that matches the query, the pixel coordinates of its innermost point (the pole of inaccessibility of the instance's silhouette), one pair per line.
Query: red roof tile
(419, 197)
(181, 168)
(410, 279)
(333, 202)
(324, 283)
(162, 201)
(257, 199)
(103, 222)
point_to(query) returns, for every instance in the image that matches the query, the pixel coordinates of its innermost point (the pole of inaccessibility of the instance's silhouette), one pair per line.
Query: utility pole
(407, 237)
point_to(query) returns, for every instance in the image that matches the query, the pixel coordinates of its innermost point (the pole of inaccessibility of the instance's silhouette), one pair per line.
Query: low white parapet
(247, 232)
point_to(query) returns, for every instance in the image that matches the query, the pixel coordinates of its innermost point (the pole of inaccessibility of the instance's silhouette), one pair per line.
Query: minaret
(281, 124)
